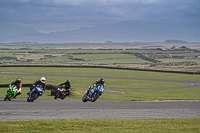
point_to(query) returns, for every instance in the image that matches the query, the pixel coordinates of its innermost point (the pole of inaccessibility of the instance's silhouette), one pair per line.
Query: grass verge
(191, 125)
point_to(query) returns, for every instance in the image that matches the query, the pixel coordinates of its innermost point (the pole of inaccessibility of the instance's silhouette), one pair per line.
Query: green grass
(6, 55)
(153, 94)
(129, 94)
(62, 59)
(178, 60)
(50, 51)
(105, 56)
(90, 56)
(109, 61)
(9, 61)
(98, 58)
(101, 72)
(186, 54)
(191, 125)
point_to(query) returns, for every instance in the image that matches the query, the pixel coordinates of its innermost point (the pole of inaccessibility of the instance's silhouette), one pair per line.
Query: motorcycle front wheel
(63, 96)
(7, 97)
(28, 100)
(56, 96)
(34, 97)
(84, 98)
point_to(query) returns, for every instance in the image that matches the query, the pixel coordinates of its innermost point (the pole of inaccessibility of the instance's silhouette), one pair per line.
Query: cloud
(94, 12)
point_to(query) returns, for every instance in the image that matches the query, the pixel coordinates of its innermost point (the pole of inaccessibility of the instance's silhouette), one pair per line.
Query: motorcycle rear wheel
(94, 98)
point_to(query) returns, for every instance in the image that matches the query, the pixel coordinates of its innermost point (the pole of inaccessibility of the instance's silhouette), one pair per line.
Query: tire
(63, 96)
(36, 96)
(28, 100)
(69, 93)
(56, 96)
(33, 97)
(7, 97)
(84, 98)
(94, 98)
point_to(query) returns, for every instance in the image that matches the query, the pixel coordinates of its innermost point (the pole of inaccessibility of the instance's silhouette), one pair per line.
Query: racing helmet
(43, 79)
(102, 81)
(67, 81)
(18, 80)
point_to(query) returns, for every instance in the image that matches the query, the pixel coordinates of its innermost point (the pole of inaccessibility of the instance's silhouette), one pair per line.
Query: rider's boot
(16, 95)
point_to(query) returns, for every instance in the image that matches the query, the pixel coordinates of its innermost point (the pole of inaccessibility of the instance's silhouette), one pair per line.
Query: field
(76, 125)
(144, 125)
(129, 94)
(117, 57)
(132, 55)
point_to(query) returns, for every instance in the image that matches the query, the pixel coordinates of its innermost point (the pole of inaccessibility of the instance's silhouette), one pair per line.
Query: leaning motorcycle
(11, 93)
(93, 94)
(34, 94)
(61, 93)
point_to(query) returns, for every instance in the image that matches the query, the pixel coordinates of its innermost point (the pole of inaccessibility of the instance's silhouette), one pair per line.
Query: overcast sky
(61, 15)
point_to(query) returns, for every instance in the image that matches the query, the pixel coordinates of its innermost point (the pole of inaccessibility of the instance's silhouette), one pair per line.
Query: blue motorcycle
(34, 94)
(93, 94)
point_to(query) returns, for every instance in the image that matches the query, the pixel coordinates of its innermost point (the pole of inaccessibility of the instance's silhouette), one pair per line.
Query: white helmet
(42, 79)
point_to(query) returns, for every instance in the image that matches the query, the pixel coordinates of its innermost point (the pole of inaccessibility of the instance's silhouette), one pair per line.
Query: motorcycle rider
(67, 87)
(41, 84)
(100, 82)
(18, 85)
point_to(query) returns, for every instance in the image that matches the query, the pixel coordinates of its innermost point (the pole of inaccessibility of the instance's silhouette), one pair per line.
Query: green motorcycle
(11, 92)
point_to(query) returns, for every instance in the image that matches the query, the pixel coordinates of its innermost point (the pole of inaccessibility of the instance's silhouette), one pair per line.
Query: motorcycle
(34, 94)
(11, 93)
(61, 93)
(93, 94)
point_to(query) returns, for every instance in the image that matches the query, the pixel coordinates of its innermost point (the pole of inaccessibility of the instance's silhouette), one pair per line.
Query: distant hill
(8, 30)
(127, 31)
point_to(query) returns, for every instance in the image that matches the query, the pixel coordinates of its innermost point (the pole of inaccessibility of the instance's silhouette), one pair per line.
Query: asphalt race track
(20, 109)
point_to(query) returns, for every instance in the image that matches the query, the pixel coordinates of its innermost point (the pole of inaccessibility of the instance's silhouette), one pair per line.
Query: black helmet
(102, 80)
(18, 80)
(68, 81)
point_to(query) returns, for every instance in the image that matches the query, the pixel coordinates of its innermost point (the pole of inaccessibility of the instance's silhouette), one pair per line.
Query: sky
(60, 15)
